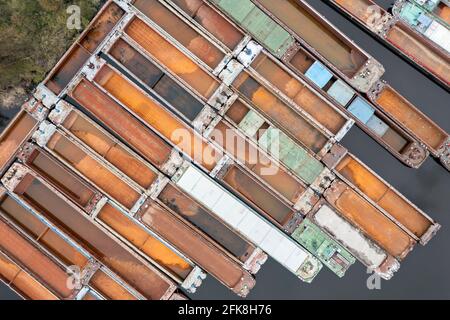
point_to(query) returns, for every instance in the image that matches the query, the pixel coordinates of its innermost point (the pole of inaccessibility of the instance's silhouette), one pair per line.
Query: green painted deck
(283, 148)
(329, 252)
(261, 26)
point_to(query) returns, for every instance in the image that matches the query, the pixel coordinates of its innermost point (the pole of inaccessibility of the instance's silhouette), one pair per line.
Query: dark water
(424, 274)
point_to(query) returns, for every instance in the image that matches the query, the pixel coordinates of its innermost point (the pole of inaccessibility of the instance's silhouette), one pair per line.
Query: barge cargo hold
(310, 30)
(411, 119)
(367, 217)
(93, 277)
(157, 252)
(152, 42)
(378, 191)
(116, 170)
(439, 8)
(299, 68)
(349, 236)
(54, 207)
(268, 203)
(398, 35)
(302, 100)
(186, 239)
(251, 257)
(423, 22)
(302, 258)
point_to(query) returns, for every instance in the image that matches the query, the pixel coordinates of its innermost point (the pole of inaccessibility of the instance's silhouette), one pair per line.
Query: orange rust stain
(14, 136)
(402, 110)
(374, 223)
(363, 179)
(157, 117)
(144, 241)
(22, 281)
(93, 170)
(172, 58)
(110, 288)
(416, 48)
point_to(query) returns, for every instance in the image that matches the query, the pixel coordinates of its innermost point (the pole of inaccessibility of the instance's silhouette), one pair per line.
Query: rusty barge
(118, 181)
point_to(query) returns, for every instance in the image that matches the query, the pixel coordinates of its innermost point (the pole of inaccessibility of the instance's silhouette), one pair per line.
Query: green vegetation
(33, 36)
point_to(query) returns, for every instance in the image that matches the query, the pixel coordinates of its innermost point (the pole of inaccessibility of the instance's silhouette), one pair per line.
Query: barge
(115, 174)
(400, 36)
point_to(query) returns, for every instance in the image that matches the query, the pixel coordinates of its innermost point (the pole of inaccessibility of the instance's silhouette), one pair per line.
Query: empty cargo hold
(60, 247)
(369, 219)
(384, 195)
(401, 37)
(23, 282)
(362, 247)
(301, 94)
(280, 113)
(375, 123)
(144, 241)
(174, 98)
(259, 25)
(213, 22)
(204, 152)
(413, 120)
(109, 148)
(158, 118)
(164, 52)
(274, 242)
(307, 99)
(18, 131)
(197, 247)
(331, 253)
(141, 276)
(86, 165)
(71, 116)
(321, 37)
(86, 45)
(275, 142)
(203, 219)
(184, 34)
(110, 113)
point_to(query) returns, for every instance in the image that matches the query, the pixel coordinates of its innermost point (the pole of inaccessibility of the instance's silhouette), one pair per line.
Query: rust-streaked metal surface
(280, 113)
(21, 250)
(205, 221)
(88, 42)
(46, 166)
(92, 169)
(122, 123)
(385, 196)
(144, 96)
(144, 241)
(157, 117)
(198, 248)
(400, 109)
(120, 260)
(212, 21)
(183, 33)
(399, 35)
(169, 55)
(18, 131)
(23, 282)
(157, 79)
(371, 220)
